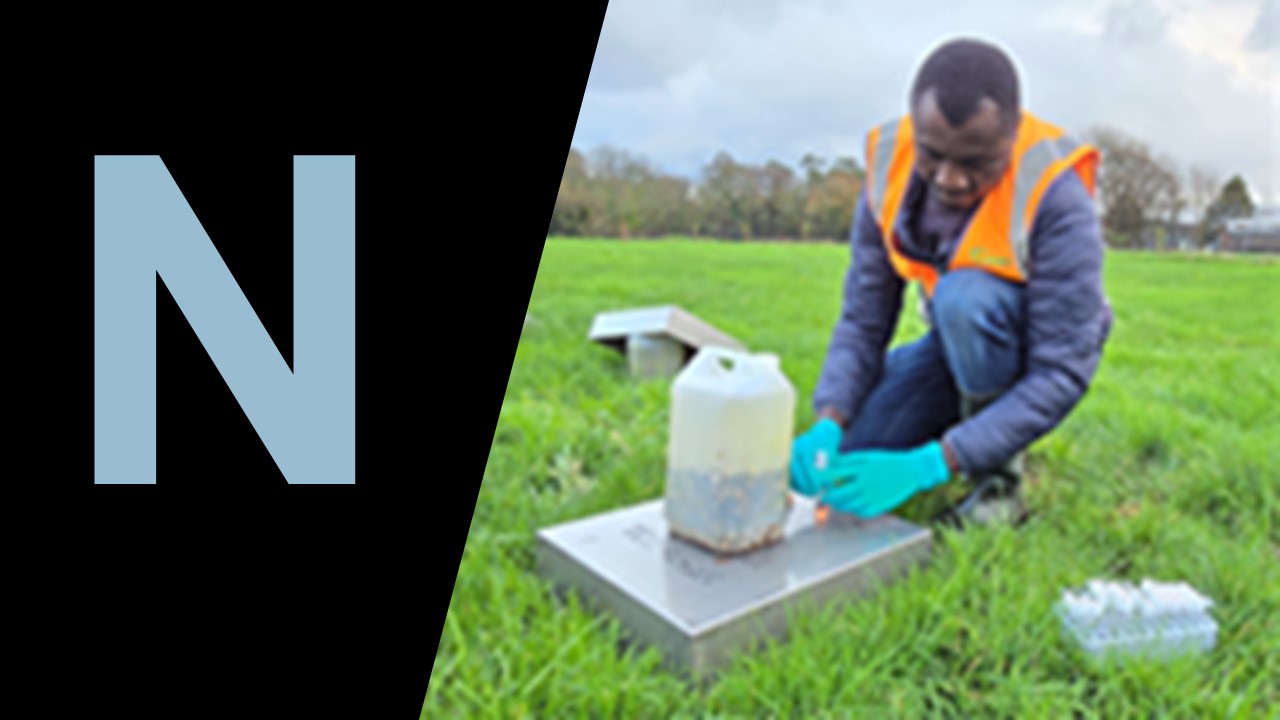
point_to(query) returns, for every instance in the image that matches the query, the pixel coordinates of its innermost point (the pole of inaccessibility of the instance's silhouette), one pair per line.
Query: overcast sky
(676, 81)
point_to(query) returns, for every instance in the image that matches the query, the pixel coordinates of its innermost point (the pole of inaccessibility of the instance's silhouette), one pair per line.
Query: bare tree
(831, 203)
(781, 201)
(812, 165)
(619, 178)
(575, 205)
(664, 206)
(1203, 184)
(1203, 189)
(1136, 189)
(1170, 199)
(731, 194)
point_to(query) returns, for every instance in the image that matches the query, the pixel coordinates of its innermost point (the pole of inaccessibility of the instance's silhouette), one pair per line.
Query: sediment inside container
(727, 513)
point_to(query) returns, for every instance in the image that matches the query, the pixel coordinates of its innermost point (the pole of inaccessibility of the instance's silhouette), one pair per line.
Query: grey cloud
(819, 74)
(1265, 35)
(1130, 22)
(643, 44)
(755, 15)
(617, 70)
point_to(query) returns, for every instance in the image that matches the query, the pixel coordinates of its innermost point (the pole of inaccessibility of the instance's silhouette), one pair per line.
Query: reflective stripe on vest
(996, 238)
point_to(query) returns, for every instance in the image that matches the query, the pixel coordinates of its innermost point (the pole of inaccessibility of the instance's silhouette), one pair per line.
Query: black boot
(995, 496)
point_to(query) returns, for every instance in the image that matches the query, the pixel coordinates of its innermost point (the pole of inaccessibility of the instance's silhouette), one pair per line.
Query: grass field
(1169, 469)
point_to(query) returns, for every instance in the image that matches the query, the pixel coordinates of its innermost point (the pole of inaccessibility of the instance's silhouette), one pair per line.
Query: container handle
(716, 356)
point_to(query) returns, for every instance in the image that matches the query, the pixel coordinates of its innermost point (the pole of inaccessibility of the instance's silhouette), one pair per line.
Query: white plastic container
(651, 356)
(729, 450)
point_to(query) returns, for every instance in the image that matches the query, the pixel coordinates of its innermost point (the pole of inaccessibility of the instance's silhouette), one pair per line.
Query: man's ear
(1015, 122)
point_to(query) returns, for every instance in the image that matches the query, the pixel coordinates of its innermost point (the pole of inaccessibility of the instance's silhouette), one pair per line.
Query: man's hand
(873, 482)
(812, 454)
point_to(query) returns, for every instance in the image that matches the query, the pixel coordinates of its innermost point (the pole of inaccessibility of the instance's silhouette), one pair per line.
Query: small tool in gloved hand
(821, 513)
(811, 455)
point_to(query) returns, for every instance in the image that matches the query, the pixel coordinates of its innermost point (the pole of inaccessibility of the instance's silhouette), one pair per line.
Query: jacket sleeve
(869, 314)
(1068, 320)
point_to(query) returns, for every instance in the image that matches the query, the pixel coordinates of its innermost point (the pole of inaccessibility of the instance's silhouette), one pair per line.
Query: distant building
(1178, 235)
(1259, 233)
(1185, 231)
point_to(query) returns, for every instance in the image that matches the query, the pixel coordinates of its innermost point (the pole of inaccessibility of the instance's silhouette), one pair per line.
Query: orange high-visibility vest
(996, 237)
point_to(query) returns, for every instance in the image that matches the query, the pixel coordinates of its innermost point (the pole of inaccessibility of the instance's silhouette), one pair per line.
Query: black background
(222, 588)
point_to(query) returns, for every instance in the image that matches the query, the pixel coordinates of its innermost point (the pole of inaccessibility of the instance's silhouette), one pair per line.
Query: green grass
(1169, 468)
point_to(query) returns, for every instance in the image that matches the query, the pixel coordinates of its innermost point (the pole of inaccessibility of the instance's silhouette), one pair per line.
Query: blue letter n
(144, 226)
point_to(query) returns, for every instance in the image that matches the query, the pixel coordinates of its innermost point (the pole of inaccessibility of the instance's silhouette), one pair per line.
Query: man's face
(960, 164)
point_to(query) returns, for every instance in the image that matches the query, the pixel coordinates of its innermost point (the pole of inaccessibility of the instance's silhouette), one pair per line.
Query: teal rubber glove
(812, 454)
(868, 483)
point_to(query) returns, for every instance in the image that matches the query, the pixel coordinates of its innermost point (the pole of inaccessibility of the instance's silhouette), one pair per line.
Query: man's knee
(971, 304)
(913, 400)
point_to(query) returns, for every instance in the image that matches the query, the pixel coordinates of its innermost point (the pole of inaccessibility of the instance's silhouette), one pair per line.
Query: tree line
(1144, 197)
(612, 193)
(1148, 201)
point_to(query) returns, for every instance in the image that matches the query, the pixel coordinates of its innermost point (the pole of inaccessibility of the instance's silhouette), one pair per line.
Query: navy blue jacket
(1068, 320)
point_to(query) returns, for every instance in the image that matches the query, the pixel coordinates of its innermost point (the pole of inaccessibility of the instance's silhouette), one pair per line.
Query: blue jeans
(974, 348)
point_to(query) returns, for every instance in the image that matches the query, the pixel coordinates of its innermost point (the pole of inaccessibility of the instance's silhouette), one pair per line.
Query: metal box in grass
(700, 609)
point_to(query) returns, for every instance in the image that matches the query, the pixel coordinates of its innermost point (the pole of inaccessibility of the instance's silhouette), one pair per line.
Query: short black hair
(962, 72)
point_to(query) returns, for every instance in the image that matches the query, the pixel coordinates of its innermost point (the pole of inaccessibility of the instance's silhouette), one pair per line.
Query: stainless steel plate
(701, 609)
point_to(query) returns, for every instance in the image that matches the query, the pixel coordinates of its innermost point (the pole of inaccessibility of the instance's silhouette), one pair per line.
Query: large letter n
(144, 226)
